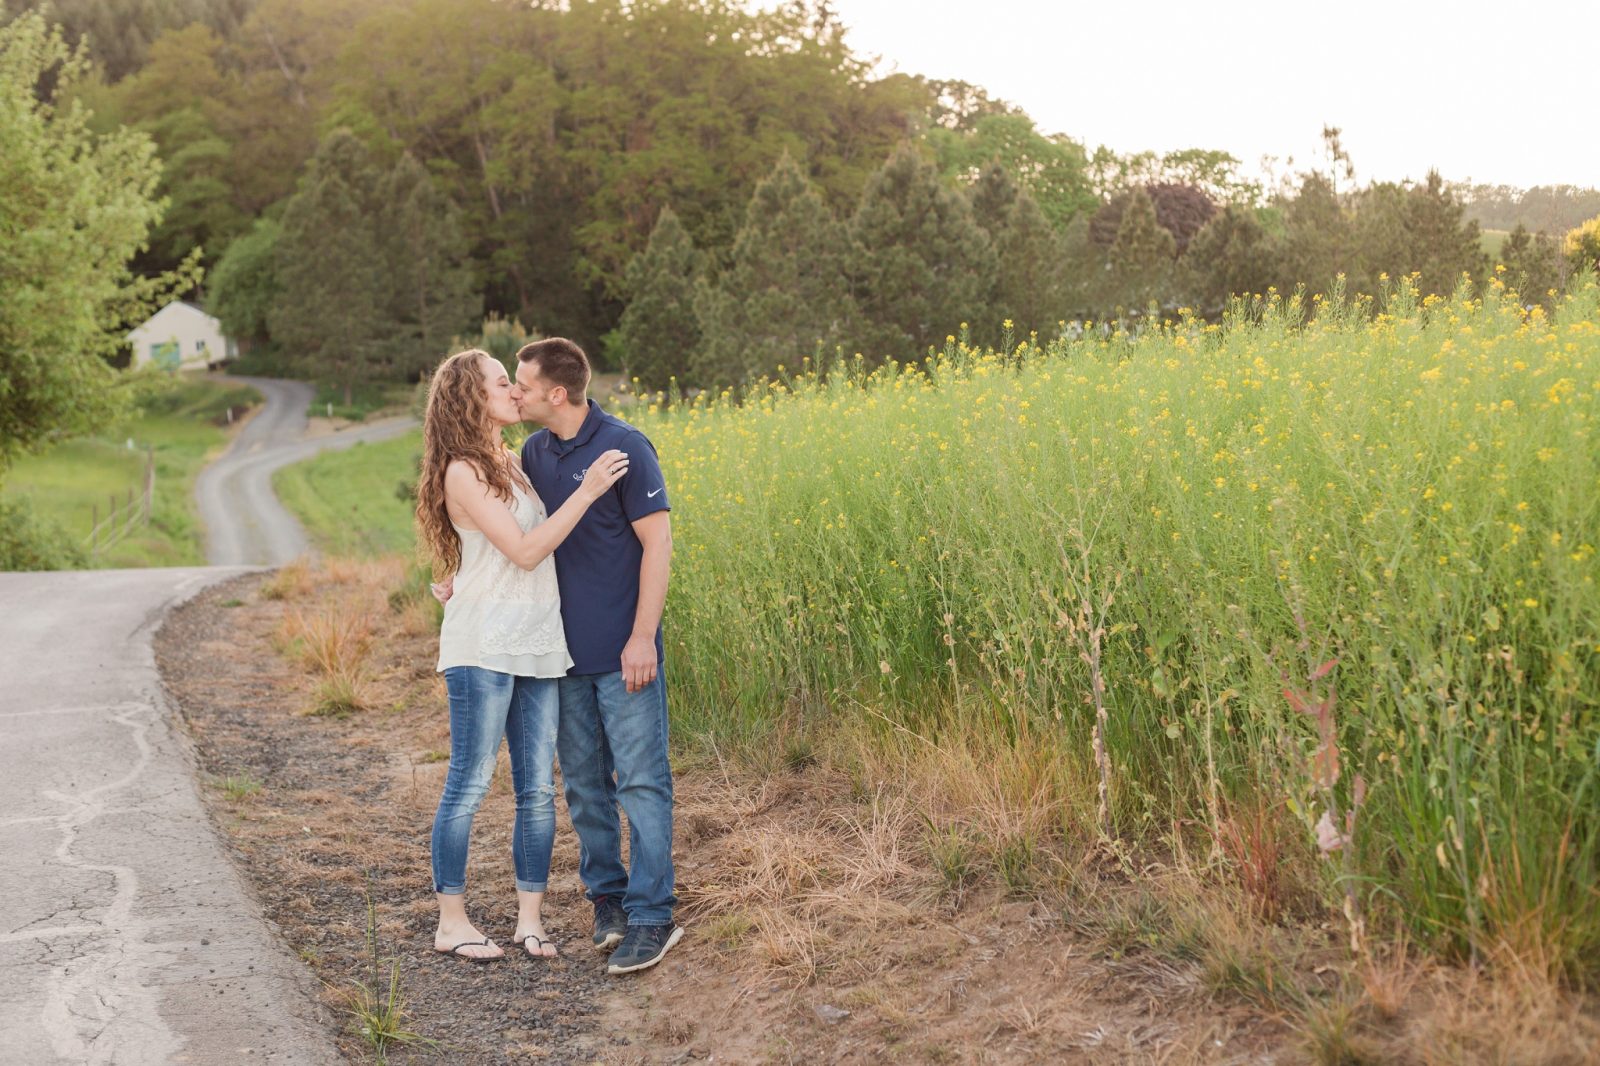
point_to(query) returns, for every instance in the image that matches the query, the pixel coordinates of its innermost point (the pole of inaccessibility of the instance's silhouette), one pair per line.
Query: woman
(501, 647)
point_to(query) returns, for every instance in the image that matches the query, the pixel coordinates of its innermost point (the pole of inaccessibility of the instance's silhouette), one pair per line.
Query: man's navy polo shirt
(597, 566)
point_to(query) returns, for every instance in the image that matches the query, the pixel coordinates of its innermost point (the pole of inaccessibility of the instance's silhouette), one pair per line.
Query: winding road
(245, 523)
(126, 935)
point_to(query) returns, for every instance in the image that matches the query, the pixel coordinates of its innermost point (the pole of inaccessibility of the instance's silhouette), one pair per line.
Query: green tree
(562, 133)
(1532, 264)
(1054, 170)
(74, 208)
(1142, 257)
(433, 293)
(1444, 244)
(1383, 245)
(331, 315)
(1180, 209)
(118, 34)
(659, 333)
(785, 292)
(1232, 255)
(244, 286)
(992, 196)
(1086, 271)
(183, 100)
(1319, 241)
(1031, 270)
(1214, 173)
(922, 263)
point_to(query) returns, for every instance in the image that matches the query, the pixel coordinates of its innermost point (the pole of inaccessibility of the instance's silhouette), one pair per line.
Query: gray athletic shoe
(610, 923)
(643, 947)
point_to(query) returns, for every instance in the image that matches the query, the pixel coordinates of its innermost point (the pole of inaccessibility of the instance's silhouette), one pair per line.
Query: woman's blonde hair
(456, 426)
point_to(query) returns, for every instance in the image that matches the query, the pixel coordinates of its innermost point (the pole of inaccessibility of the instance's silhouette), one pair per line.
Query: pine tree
(1319, 243)
(923, 264)
(1231, 256)
(1086, 271)
(1444, 246)
(659, 333)
(434, 296)
(1142, 256)
(992, 197)
(330, 317)
(1383, 242)
(785, 293)
(1031, 279)
(1532, 264)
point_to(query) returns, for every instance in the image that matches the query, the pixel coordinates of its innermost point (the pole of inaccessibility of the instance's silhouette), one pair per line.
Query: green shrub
(28, 542)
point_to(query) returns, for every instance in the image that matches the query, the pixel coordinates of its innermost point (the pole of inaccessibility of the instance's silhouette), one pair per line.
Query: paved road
(245, 523)
(126, 935)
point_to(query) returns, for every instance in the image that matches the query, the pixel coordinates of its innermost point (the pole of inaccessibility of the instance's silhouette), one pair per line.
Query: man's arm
(639, 663)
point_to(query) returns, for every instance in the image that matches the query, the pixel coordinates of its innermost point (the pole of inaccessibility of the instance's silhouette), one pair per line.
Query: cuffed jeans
(613, 747)
(484, 706)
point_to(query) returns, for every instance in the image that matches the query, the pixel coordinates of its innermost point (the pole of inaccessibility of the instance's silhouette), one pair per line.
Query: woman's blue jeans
(484, 706)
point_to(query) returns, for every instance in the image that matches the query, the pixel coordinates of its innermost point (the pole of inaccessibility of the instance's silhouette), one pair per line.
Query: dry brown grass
(336, 643)
(292, 581)
(954, 896)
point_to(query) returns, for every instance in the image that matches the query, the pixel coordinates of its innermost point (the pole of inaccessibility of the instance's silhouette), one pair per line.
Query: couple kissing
(555, 565)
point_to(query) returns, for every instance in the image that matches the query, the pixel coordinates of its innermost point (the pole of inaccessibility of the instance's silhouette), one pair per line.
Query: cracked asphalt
(126, 935)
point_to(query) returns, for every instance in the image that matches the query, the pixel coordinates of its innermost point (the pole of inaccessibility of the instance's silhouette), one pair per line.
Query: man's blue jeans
(484, 706)
(606, 731)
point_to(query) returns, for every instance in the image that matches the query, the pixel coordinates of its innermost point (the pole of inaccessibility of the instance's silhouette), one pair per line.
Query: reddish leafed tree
(1180, 209)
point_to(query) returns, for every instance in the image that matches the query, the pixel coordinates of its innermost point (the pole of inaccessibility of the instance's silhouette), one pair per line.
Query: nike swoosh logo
(648, 495)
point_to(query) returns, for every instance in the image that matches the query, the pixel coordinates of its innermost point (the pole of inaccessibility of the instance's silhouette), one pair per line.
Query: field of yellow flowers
(1280, 589)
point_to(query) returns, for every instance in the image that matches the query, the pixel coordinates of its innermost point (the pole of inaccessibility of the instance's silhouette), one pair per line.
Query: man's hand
(443, 590)
(639, 662)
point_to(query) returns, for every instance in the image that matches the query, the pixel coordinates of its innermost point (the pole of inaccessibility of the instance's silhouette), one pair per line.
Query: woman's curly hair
(456, 425)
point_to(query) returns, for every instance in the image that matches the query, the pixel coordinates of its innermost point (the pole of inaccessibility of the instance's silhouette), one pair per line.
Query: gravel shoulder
(814, 935)
(328, 819)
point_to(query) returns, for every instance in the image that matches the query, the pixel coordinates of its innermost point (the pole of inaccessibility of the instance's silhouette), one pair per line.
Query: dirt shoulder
(823, 926)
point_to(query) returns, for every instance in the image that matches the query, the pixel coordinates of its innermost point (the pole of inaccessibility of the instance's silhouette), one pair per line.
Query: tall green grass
(1345, 568)
(1310, 564)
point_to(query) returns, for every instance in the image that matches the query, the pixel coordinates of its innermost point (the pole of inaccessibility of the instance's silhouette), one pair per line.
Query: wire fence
(124, 512)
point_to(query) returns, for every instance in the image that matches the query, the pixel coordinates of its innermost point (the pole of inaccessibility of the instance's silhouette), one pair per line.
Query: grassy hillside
(183, 427)
(351, 501)
(1491, 240)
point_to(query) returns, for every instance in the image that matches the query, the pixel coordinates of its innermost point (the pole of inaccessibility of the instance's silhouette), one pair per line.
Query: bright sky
(1501, 93)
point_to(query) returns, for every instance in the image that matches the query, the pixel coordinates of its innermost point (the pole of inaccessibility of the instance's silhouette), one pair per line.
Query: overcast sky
(1498, 93)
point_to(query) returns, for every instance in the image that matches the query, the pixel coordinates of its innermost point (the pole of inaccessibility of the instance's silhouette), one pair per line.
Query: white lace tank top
(500, 616)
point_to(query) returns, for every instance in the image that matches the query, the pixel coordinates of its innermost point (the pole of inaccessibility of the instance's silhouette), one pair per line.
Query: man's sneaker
(610, 923)
(643, 947)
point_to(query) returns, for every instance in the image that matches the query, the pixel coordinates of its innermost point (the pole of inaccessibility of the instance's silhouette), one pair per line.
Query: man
(612, 569)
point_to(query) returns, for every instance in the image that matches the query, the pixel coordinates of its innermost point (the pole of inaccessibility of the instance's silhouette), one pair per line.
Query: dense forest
(696, 191)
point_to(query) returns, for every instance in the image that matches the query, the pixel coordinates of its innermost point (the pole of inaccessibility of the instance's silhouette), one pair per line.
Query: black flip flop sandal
(522, 942)
(484, 943)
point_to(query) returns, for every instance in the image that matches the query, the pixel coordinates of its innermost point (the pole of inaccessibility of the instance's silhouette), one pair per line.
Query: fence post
(94, 524)
(149, 480)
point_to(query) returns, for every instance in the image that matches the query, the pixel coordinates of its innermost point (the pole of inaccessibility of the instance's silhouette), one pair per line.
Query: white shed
(180, 336)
